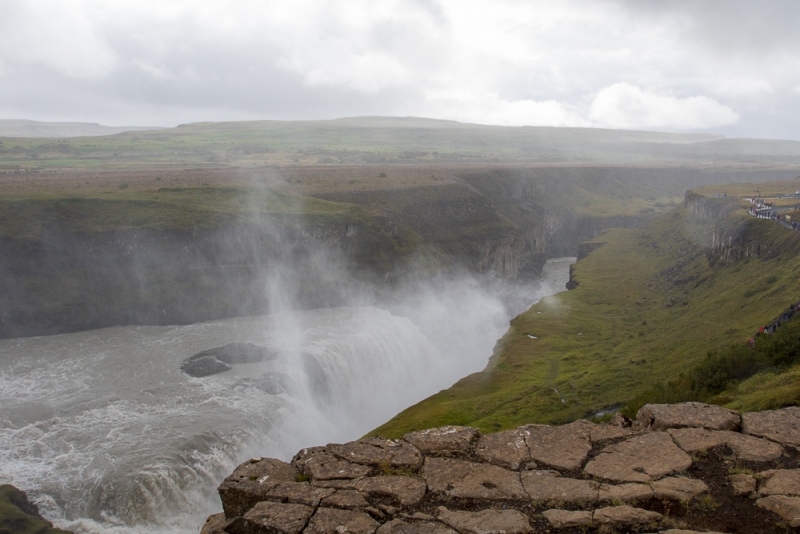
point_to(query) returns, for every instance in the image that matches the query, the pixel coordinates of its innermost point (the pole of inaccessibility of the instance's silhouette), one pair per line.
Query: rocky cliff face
(678, 468)
(735, 235)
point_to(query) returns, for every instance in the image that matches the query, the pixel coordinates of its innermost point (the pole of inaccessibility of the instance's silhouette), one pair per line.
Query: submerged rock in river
(213, 361)
(203, 366)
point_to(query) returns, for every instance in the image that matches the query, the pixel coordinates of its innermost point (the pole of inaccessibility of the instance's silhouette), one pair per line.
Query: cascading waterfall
(107, 435)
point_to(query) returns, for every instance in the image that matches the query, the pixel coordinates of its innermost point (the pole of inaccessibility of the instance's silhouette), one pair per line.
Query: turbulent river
(107, 435)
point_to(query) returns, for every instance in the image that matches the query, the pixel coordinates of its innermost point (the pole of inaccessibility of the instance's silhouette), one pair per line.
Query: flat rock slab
(639, 459)
(470, 480)
(346, 500)
(779, 482)
(681, 531)
(786, 507)
(506, 449)
(251, 481)
(304, 455)
(782, 426)
(551, 488)
(625, 492)
(406, 491)
(562, 447)
(687, 414)
(606, 432)
(272, 518)
(333, 521)
(678, 488)
(325, 466)
(486, 522)
(298, 493)
(378, 452)
(748, 448)
(568, 519)
(743, 484)
(398, 526)
(621, 516)
(443, 439)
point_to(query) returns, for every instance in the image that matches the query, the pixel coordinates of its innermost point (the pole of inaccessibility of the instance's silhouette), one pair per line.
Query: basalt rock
(536, 478)
(213, 361)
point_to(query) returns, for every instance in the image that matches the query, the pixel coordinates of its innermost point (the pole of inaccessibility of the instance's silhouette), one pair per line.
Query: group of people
(763, 210)
(770, 328)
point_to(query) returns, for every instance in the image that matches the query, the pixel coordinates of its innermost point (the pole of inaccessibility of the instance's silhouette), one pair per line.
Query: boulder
(779, 482)
(561, 447)
(555, 488)
(272, 518)
(639, 459)
(215, 524)
(506, 449)
(251, 481)
(346, 500)
(687, 414)
(333, 521)
(625, 492)
(339, 483)
(567, 519)
(379, 452)
(748, 448)
(743, 484)
(406, 491)
(298, 493)
(678, 488)
(782, 426)
(325, 466)
(398, 526)
(443, 439)
(203, 366)
(486, 521)
(304, 455)
(624, 516)
(470, 480)
(786, 507)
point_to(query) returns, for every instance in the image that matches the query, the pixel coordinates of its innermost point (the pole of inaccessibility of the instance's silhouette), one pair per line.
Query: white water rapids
(107, 435)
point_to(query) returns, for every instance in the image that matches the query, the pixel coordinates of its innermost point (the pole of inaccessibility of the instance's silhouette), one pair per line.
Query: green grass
(650, 305)
(165, 209)
(14, 519)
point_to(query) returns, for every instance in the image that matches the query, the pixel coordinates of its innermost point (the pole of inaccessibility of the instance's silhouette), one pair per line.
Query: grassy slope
(649, 304)
(164, 209)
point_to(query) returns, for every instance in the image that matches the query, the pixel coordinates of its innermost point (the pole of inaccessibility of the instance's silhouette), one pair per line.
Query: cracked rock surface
(713, 471)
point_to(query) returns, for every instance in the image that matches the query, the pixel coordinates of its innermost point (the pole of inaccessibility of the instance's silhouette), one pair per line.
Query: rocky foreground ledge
(677, 469)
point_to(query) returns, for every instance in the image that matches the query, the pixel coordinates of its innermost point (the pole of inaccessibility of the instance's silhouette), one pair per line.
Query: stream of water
(106, 434)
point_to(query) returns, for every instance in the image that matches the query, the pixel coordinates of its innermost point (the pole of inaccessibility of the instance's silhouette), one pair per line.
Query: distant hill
(380, 141)
(26, 128)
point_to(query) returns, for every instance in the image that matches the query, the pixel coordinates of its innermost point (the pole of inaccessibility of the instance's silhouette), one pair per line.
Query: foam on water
(107, 435)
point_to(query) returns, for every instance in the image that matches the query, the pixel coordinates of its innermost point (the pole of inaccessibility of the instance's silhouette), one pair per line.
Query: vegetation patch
(650, 306)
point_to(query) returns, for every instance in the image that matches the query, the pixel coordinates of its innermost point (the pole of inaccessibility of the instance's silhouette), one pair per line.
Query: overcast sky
(722, 66)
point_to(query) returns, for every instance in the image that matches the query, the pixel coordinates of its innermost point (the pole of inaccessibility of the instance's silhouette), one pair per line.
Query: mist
(106, 434)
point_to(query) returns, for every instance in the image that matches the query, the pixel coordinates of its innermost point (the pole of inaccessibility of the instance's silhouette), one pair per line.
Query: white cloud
(56, 33)
(624, 105)
(489, 108)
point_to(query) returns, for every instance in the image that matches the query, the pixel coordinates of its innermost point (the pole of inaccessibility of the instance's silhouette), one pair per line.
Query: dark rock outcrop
(213, 361)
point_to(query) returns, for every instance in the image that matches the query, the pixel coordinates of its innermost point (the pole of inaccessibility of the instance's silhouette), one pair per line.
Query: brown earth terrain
(683, 468)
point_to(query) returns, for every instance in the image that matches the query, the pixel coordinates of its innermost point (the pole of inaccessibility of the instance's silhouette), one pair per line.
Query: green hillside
(649, 306)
